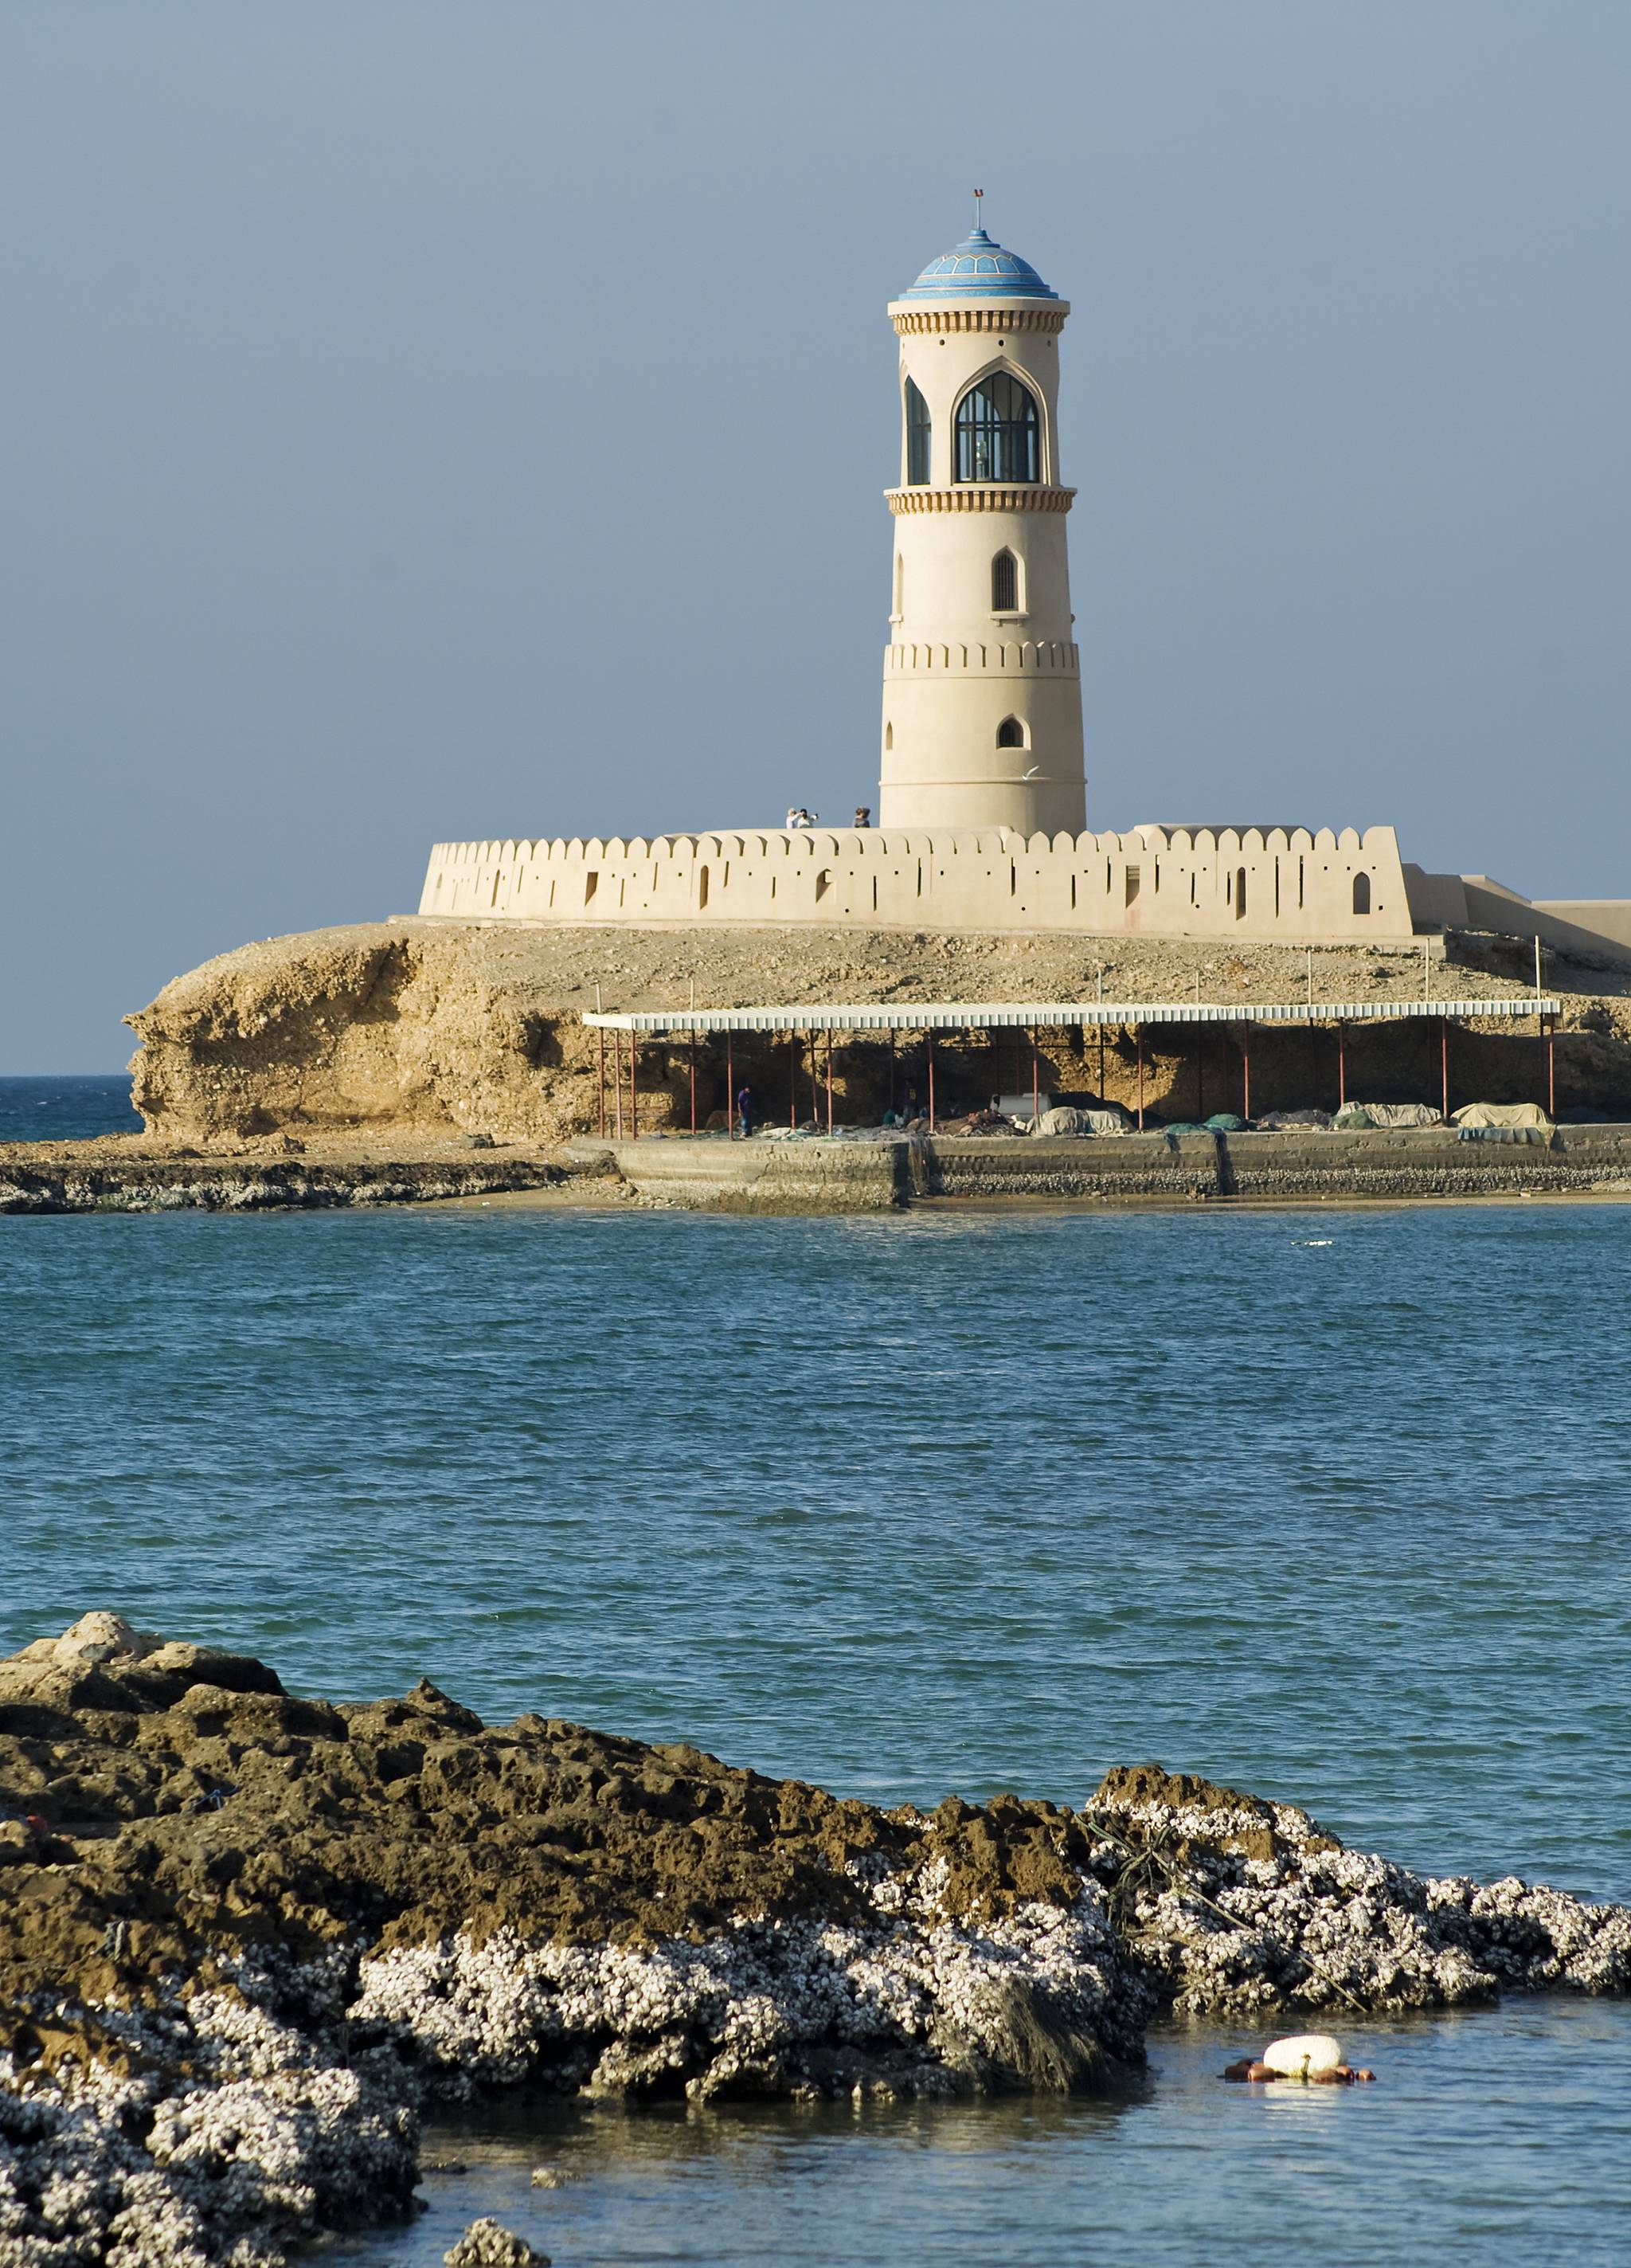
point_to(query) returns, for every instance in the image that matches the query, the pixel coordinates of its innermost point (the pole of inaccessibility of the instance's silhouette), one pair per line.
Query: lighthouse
(983, 693)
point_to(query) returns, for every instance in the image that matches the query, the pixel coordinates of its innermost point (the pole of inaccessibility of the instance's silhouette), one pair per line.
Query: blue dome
(979, 269)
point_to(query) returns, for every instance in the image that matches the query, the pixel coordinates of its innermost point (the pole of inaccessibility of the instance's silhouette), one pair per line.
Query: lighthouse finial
(978, 195)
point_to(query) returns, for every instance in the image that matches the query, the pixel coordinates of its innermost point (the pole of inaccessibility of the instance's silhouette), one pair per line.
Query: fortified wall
(1279, 885)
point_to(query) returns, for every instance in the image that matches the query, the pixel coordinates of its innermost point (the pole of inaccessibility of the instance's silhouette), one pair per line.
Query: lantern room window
(998, 431)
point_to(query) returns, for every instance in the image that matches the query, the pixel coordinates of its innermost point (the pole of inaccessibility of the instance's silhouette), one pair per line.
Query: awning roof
(1003, 1015)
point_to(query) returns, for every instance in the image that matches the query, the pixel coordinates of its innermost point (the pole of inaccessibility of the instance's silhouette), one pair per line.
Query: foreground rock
(246, 1938)
(1231, 1905)
(490, 2244)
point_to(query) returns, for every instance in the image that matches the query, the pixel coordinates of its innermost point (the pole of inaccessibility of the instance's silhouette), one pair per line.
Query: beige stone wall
(1284, 887)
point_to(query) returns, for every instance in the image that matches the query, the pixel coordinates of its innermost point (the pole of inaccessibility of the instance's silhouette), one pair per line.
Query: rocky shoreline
(106, 1177)
(247, 1939)
(849, 1174)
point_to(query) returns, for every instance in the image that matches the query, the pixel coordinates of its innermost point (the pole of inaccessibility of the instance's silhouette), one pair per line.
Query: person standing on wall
(744, 1109)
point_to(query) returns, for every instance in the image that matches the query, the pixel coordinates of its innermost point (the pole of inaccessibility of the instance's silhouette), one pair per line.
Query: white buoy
(1304, 2055)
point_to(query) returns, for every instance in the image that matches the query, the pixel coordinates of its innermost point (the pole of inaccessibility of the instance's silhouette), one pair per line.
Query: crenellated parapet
(1290, 886)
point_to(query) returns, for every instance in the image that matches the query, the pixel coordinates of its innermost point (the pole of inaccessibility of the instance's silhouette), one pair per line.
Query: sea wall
(1283, 885)
(815, 1174)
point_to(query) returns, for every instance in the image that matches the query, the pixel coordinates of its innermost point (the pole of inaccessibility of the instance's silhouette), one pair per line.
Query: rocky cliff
(427, 1028)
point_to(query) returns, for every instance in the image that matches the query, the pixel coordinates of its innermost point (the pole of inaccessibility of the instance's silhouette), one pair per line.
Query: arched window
(889, 736)
(1240, 893)
(998, 431)
(1005, 584)
(917, 438)
(1010, 734)
(1361, 894)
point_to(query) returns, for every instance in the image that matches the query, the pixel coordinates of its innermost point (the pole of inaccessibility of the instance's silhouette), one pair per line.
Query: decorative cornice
(979, 496)
(1049, 316)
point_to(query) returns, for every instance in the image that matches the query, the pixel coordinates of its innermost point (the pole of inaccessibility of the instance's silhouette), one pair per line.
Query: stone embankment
(248, 1939)
(853, 1175)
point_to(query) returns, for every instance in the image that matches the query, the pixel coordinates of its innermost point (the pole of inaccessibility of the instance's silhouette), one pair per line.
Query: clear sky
(469, 419)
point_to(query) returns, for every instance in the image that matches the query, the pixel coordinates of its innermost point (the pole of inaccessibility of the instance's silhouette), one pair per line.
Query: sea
(66, 1109)
(1332, 1504)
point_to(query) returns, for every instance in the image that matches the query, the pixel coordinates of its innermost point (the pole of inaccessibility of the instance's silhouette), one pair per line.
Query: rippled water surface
(66, 1109)
(1330, 1504)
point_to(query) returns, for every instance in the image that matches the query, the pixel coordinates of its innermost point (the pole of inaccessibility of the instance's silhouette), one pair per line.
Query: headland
(410, 1060)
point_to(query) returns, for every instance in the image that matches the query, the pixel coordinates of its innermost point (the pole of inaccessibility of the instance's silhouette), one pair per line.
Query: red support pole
(1444, 1066)
(792, 1081)
(815, 1100)
(829, 1082)
(1245, 1079)
(931, 1082)
(1551, 1068)
(1341, 1065)
(617, 1078)
(600, 1036)
(1138, 1030)
(693, 1079)
(1035, 1091)
(1200, 1070)
(634, 1104)
(730, 1089)
(891, 1067)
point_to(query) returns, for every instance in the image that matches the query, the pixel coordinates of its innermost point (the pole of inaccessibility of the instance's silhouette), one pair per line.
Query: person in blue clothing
(744, 1109)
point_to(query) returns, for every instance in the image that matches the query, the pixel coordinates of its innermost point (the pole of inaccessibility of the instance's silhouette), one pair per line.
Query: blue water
(1332, 1504)
(66, 1109)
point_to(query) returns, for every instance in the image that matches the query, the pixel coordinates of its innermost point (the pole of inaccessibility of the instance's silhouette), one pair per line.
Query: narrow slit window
(1240, 893)
(917, 437)
(1004, 584)
(1361, 894)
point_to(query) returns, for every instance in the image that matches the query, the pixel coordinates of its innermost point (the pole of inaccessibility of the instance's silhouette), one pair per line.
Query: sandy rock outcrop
(430, 1029)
